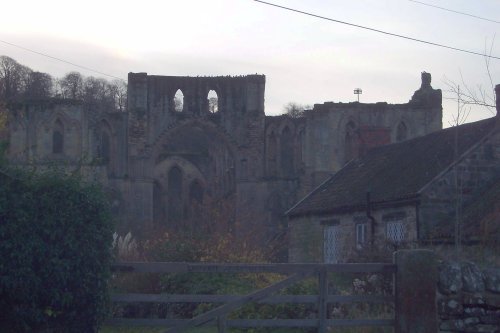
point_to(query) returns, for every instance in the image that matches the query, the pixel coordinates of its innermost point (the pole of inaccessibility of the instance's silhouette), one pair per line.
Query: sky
(306, 60)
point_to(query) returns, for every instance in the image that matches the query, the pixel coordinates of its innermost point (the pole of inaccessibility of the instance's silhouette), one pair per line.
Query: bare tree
(13, 77)
(118, 91)
(71, 85)
(295, 110)
(39, 85)
(468, 95)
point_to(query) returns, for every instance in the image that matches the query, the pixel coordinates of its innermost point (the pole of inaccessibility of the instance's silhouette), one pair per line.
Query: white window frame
(361, 229)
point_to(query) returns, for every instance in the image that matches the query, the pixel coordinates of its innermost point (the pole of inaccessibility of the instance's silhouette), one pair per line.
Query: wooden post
(221, 324)
(415, 291)
(322, 300)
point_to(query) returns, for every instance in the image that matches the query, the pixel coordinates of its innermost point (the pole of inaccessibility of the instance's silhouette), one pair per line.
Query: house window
(331, 241)
(360, 235)
(395, 231)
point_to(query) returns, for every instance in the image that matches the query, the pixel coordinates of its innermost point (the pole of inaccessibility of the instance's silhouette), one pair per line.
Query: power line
(377, 30)
(61, 60)
(455, 11)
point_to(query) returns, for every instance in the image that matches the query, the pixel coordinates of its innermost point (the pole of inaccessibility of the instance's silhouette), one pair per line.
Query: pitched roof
(393, 172)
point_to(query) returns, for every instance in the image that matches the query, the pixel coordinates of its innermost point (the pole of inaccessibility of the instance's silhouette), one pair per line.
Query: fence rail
(218, 315)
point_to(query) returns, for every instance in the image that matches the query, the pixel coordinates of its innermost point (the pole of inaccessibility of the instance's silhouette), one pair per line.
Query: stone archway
(203, 160)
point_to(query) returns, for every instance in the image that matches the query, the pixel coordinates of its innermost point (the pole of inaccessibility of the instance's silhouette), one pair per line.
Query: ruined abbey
(181, 165)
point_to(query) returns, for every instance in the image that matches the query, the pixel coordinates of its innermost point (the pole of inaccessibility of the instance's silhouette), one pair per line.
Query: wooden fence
(293, 272)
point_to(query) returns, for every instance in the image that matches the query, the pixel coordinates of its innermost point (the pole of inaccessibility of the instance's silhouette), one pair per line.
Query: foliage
(295, 110)
(20, 83)
(55, 237)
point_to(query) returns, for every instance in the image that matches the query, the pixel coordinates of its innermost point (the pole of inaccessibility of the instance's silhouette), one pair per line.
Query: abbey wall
(182, 159)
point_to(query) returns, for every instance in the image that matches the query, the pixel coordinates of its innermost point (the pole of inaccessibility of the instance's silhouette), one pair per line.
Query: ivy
(55, 238)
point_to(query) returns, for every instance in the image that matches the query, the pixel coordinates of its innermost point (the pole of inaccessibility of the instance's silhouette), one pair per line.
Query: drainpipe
(372, 219)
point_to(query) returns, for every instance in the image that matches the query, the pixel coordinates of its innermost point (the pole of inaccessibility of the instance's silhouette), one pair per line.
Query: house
(403, 194)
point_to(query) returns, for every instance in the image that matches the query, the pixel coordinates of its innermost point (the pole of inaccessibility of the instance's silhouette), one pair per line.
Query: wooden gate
(293, 273)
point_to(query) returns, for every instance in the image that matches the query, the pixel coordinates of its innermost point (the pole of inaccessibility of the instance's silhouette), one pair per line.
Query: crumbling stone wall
(468, 298)
(264, 164)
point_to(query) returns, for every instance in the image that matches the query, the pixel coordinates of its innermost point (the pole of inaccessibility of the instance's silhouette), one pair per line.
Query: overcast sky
(305, 59)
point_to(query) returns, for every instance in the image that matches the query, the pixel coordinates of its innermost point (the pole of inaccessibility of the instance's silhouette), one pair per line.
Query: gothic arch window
(401, 132)
(286, 152)
(213, 101)
(158, 204)
(300, 146)
(179, 101)
(272, 144)
(351, 142)
(58, 137)
(105, 147)
(174, 192)
(104, 150)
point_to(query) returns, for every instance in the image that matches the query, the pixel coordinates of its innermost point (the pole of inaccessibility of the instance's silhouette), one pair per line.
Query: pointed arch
(272, 151)
(286, 152)
(174, 192)
(158, 203)
(179, 101)
(300, 145)
(58, 137)
(105, 146)
(213, 101)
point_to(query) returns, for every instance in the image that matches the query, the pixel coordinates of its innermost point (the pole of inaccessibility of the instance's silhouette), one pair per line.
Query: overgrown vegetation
(226, 247)
(19, 83)
(55, 237)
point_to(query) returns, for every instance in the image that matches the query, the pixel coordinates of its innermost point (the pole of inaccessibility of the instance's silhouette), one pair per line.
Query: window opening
(179, 101)
(360, 235)
(213, 101)
(331, 244)
(175, 207)
(58, 138)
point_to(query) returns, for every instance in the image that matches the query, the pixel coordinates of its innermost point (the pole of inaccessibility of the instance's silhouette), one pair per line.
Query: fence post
(322, 300)
(221, 324)
(415, 291)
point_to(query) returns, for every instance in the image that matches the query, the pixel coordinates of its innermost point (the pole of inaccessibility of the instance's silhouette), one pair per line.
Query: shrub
(55, 238)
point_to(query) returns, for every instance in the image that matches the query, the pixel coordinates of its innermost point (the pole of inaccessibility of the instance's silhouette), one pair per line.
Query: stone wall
(468, 298)
(478, 169)
(306, 235)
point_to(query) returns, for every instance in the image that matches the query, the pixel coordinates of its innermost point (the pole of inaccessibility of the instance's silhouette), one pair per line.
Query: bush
(55, 238)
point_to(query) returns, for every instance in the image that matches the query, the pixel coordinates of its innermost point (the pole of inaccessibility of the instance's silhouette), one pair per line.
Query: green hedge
(55, 238)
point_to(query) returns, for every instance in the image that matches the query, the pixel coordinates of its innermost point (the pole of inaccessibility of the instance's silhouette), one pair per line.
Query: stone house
(403, 194)
(188, 146)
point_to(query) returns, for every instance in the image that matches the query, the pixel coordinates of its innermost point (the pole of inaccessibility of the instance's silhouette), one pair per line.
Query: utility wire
(61, 60)
(455, 11)
(377, 30)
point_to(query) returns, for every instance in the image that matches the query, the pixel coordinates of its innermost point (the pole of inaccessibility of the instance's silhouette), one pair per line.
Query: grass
(146, 329)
